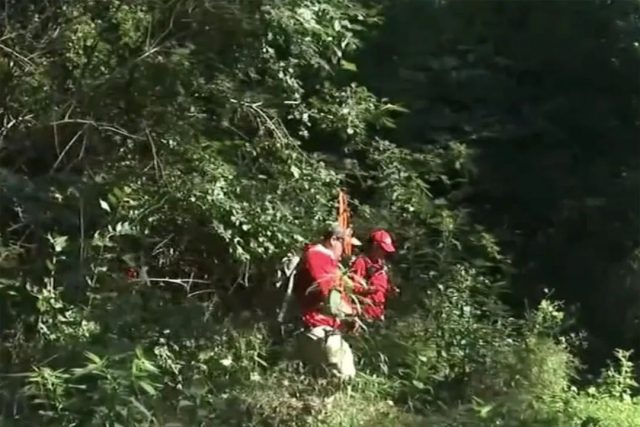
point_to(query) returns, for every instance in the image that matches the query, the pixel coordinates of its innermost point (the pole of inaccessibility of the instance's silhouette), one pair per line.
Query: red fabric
(374, 295)
(132, 273)
(318, 267)
(358, 275)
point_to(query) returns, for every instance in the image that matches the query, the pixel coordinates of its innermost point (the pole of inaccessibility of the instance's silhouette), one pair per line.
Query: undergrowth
(158, 159)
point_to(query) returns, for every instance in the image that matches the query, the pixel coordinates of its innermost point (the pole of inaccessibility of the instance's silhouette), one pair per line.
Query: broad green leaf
(335, 302)
(104, 205)
(140, 407)
(59, 242)
(184, 403)
(93, 357)
(147, 387)
(350, 66)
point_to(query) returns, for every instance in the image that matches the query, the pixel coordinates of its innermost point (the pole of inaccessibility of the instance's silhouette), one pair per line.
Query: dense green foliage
(199, 141)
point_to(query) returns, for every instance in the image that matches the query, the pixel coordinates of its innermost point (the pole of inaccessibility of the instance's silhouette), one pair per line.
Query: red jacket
(318, 267)
(374, 295)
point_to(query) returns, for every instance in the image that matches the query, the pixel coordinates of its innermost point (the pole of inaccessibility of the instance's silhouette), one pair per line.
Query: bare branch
(68, 147)
(177, 281)
(100, 126)
(156, 161)
(24, 60)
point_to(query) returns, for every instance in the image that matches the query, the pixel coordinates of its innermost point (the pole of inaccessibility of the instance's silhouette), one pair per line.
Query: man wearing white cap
(319, 274)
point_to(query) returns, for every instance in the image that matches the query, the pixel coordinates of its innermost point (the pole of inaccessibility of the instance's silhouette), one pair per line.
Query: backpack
(373, 269)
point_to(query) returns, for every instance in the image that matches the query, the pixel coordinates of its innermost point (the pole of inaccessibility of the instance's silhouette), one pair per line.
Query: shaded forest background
(157, 160)
(544, 97)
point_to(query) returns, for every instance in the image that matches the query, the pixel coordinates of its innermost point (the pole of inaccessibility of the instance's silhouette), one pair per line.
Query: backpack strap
(289, 269)
(373, 269)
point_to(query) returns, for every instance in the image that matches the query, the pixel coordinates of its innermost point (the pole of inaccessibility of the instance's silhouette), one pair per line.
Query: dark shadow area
(545, 96)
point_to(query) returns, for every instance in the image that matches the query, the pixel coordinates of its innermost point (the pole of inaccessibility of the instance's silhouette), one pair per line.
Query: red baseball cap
(382, 238)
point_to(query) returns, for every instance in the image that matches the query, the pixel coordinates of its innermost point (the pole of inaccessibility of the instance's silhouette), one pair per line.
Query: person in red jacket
(319, 273)
(322, 342)
(369, 274)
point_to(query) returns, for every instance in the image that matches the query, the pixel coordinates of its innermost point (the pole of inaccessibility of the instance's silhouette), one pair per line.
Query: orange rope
(343, 219)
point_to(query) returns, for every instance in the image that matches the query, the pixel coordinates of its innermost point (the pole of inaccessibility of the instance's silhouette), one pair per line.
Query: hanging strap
(290, 269)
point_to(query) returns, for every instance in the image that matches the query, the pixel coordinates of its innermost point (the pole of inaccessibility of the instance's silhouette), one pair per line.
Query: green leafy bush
(156, 162)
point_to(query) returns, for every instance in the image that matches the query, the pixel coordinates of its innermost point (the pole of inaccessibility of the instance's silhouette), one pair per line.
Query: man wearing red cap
(369, 274)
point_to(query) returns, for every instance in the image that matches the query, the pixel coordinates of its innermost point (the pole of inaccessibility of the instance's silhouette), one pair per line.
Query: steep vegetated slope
(158, 158)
